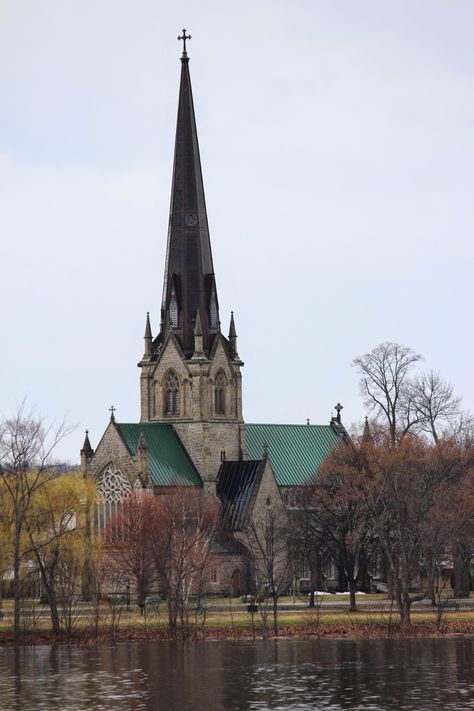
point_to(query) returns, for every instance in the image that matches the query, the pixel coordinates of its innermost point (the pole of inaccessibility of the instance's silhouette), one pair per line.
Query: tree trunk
(88, 581)
(314, 574)
(402, 597)
(390, 585)
(404, 604)
(352, 596)
(53, 602)
(275, 614)
(16, 586)
(48, 578)
(430, 584)
(141, 591)
(341, 578)
(462, 578)
(363, 575)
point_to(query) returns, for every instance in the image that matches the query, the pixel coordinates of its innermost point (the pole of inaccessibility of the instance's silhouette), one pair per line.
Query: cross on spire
(112, 410)
(184, 37)
(338, 409)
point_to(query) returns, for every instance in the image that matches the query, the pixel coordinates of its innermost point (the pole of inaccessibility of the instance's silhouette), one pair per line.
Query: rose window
(113, 486)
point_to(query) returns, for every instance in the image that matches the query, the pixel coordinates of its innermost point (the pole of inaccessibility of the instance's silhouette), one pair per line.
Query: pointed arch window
(213, 311)
(172, 394)
(173, 312)
(219, 393)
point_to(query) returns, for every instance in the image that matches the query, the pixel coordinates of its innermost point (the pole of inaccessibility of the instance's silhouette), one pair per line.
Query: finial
(198, 340)
(307, 420)
(142, 445)
(338, 409)
(232, 331)
(148, 336)
(197, 325)
(184, 37)
(86, 447)
(233, 337)
(265, 450)
(366, 434)
(112, 410)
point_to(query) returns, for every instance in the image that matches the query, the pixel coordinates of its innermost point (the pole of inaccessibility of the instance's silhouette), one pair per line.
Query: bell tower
(191, 373)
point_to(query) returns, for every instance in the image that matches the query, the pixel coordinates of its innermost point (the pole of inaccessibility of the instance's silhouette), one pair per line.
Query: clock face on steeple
(190, 219)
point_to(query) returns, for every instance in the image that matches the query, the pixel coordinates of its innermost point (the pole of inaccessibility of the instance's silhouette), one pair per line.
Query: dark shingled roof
(235, 486)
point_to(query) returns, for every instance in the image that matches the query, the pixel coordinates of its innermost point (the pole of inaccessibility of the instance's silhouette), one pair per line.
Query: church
(191, 431)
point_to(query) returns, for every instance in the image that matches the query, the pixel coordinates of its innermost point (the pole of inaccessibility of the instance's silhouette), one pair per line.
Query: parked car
(381, 587)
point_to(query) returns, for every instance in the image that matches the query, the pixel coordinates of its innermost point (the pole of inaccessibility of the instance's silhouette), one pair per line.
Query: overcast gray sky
(337, 146)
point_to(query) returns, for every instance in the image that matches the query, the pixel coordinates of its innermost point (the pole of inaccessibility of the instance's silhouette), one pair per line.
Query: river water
(213, 676)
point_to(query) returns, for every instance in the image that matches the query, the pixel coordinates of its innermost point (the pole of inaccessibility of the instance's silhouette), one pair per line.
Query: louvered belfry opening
(219, 393)
(172, 394)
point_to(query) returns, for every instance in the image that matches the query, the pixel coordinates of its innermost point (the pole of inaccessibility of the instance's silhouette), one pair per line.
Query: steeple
(190, 372)
(189, 286)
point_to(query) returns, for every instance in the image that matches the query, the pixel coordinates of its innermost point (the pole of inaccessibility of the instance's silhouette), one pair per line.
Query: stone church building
(191, 430)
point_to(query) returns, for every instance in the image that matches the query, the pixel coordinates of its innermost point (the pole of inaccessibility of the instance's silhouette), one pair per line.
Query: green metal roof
(296, 451)
(170, 464)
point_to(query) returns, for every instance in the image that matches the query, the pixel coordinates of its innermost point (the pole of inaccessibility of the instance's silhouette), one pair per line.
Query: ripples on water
(287, 674)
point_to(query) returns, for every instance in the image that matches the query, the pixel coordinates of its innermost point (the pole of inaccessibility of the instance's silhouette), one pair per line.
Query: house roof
(295, 451)
(170, 464)
(235, 486)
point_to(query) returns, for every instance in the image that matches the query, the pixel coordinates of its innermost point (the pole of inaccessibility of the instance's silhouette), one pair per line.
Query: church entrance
(236, 581)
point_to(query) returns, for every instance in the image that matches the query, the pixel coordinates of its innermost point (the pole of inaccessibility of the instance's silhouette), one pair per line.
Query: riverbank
(356, 630)
(229, 619)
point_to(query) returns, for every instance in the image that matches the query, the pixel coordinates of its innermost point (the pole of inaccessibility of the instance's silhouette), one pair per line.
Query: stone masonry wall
(112, 449)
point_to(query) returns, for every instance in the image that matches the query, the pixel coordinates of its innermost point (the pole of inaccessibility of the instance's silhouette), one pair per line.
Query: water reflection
(284, 674)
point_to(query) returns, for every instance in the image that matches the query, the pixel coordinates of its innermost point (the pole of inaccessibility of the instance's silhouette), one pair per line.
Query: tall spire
(189, 285)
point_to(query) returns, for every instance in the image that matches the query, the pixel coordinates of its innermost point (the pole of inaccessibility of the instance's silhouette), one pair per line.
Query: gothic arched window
(174, 317)
(213, 312)
(172, 394)
(219, 393)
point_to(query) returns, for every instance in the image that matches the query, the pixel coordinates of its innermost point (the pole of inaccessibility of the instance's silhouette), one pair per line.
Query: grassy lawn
(133, 620)
(231, 613)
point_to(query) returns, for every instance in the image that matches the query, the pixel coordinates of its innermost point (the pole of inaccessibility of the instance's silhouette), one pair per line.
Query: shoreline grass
(304, 622)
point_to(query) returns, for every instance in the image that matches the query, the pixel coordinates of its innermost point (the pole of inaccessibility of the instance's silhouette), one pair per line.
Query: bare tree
(437, 407)
(405, 487)
(309, 547)
(270, 544)
(340, 512)
(129, 545)
(438, 410)
(397, 496)
(182, 529)
(26, 448)
(385, 386)
(448, 530)
(6, 537)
